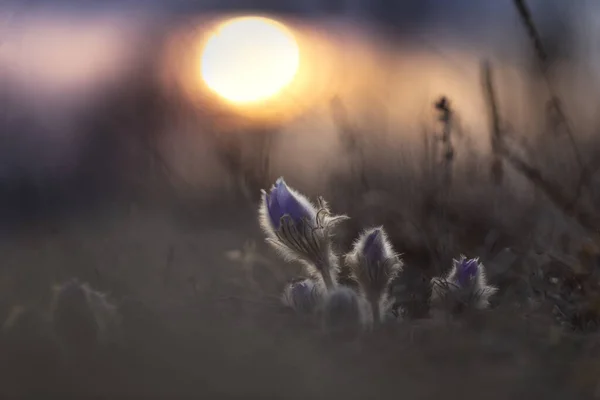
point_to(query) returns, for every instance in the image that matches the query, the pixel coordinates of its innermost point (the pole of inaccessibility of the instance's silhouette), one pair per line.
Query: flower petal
(467, 270)
(302, 295)
(373, 262)
(274, 209)
(289, 204)
(298, 230)
(373, 248)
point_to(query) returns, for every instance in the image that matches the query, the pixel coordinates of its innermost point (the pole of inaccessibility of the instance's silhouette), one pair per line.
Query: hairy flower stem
(328, 279)
(326, 267)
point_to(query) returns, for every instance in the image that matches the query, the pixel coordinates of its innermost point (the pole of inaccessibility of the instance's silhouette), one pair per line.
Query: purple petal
(373, 248)
(466, 271)
(301, 288)
(274, 209)
(281, 202)
(303, 295)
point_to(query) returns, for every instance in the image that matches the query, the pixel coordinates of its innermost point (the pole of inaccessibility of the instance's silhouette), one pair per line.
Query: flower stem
(326, 268)
(328, 279)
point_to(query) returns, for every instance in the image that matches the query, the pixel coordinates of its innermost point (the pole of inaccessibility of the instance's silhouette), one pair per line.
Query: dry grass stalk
(555, 194)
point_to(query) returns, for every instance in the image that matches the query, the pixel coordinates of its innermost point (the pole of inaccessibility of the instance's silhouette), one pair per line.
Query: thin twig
(446, 118)
(351, 139)
(552, 191)
(554, 194)
(497, 168)
(542, 56)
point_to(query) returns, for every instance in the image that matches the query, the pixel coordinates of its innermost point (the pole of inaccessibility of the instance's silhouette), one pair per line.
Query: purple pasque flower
(466, 271)
(345, 313)
(374, 246)
(302, 295)
(374, 263)
(299, 230)
(282, 202)
(465, 286)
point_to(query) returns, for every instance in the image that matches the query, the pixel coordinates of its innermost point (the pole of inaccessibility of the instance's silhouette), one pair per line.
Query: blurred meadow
(133, 265)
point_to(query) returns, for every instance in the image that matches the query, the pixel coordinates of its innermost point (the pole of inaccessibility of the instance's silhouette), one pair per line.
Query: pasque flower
(464, 286)
(345, 313)
(299, 230)
(374, 263)
(302, 295)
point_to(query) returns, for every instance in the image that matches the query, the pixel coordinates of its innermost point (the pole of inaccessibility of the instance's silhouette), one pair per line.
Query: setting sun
(249, 59)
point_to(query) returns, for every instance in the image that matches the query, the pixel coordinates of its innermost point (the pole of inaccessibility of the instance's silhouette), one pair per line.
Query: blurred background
(77, 79)
(120, 168)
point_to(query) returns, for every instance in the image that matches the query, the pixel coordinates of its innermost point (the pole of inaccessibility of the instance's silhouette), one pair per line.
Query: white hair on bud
(303, 300)
(446, 292)
(263, 211)
(310, 241)
(374, 278)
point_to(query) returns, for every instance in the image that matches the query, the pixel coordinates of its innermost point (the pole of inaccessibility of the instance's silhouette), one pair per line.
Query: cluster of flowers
(303, 232)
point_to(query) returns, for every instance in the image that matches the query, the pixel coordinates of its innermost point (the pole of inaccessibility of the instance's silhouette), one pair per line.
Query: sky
(56, 56)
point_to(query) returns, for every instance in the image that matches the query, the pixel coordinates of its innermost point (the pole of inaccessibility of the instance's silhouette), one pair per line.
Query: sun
(250, 59)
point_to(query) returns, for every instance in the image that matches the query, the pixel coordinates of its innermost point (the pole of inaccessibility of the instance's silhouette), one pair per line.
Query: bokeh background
(118, 169)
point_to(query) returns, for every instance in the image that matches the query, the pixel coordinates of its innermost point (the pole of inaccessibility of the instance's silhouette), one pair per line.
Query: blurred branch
(497, 167)
(532, 31)
(446, 117)
(543, 61)
(351, 140)
(554, 193)
(427, 154)
(587, 171)
(248, 162)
